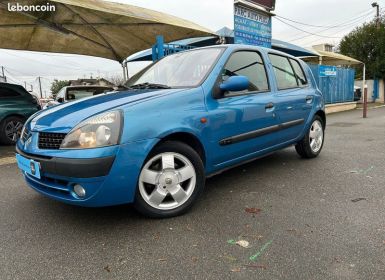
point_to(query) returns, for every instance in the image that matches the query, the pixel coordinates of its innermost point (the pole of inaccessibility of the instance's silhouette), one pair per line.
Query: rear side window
(301, 77)
(283, 72)
(249, 64)
(7, 93)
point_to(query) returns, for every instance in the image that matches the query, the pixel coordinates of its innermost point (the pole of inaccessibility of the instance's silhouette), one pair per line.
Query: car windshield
(185, 69)
(79, 93)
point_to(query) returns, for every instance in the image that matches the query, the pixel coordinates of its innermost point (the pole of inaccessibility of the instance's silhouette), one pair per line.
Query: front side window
(249, 64)
(185, 69)
(283, 72)
(301, 77)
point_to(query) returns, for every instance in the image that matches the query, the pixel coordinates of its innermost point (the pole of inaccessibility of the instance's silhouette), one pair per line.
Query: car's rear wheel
(170, 181)
(10, 130)
(311, 145)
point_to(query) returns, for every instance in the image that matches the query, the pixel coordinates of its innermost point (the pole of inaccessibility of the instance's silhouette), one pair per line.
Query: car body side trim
(259, 132)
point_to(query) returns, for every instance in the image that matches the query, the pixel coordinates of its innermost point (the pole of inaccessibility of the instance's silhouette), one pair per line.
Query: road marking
(264, 247)
(7, 160)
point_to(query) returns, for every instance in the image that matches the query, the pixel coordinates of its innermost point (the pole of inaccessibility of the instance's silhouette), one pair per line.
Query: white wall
(369, 83)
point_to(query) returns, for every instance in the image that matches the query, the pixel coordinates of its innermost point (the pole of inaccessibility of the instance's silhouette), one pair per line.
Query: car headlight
(98, 131)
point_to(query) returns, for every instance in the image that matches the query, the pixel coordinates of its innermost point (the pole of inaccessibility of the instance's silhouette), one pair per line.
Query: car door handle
(269, 106)
(309, 99)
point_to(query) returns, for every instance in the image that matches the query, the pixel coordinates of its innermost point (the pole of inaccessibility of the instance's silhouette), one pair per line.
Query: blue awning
(227, 33)
(292, 49)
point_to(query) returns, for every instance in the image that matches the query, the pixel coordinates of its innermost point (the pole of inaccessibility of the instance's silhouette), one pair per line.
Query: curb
(375, 107)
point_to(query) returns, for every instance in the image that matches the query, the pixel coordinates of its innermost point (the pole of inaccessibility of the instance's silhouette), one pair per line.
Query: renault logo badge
(27, 142)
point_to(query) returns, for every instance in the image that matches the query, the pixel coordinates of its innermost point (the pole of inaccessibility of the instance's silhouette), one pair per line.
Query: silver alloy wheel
(13, 130)
(316, 136)
(167, 181)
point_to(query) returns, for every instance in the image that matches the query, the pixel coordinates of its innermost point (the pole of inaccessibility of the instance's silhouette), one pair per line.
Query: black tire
(304, 148)
(145, 208)
(4, 139)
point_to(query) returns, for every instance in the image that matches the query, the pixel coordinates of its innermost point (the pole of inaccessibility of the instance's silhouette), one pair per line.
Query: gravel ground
(310, 219)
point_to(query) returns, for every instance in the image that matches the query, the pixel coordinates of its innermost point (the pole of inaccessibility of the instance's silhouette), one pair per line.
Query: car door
(243, 123)
(293, 99)
(15, 100)
(61, 95)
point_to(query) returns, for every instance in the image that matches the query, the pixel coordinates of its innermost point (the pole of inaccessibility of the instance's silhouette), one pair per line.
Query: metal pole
(378, 16)
(124, 72)
(41, 92)
(375, 5)
(365, 110)
(127, 76)
(2, 70)
(364, 91)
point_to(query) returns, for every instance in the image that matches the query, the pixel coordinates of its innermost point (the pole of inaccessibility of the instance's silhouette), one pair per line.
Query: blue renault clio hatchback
(184, 118)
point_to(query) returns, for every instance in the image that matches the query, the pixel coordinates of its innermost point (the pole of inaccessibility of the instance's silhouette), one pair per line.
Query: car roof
(235, 47)
(9, 84)
(89, 86)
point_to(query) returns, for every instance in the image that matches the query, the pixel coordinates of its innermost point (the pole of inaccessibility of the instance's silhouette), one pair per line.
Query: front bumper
(70, 167)
(109, 175)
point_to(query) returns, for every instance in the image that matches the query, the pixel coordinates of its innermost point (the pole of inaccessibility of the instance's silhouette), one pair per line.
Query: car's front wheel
(311, 145)
(170, 181)
(10, 129)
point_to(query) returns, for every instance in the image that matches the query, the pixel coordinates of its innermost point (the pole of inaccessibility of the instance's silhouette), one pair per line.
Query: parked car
(45, 101)
(72, 93)
(186, 117)
(16, 106)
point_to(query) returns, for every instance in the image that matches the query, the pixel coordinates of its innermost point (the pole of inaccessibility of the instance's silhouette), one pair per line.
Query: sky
(333, 18)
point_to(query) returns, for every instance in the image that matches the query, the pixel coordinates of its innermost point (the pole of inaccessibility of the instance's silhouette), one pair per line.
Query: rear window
(7, 93)
(283, 72)
(79, 93)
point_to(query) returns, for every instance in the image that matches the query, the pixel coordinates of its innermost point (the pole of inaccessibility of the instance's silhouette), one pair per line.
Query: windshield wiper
(122, 88)
(149, 86)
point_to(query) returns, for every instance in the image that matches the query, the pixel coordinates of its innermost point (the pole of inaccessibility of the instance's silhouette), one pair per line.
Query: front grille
(26, 134)
(51, 141)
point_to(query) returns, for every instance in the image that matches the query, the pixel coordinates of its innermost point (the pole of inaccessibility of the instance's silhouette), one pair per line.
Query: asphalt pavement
(303, 219)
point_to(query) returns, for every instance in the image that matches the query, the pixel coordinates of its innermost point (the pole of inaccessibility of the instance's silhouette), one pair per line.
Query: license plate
(28, 165)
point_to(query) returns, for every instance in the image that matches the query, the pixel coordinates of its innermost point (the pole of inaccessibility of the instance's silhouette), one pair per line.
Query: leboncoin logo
(31, 8)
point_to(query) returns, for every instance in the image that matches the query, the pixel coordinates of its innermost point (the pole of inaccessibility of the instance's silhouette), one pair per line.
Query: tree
(367, 44)
(116, 79)
(56, 86)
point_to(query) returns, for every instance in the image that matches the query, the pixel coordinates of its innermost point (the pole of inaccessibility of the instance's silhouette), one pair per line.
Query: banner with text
(251, 27)
(327, 71)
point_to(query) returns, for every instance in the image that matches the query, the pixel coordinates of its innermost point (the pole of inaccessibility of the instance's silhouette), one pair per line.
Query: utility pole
(41, 92)
(375, 5)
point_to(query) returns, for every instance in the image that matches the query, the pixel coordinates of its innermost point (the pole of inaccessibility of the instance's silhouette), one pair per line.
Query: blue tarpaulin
(337, 88)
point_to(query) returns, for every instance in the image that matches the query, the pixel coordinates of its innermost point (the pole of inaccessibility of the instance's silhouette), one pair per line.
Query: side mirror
(235, 83)
(60, 100)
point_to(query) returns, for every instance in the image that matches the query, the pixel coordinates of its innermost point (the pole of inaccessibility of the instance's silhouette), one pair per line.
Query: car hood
(62, 118)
